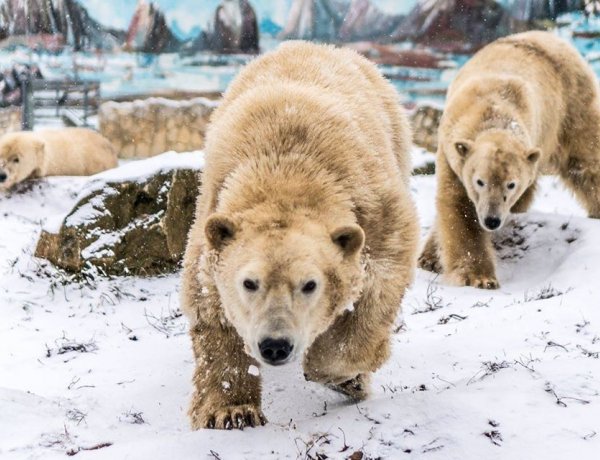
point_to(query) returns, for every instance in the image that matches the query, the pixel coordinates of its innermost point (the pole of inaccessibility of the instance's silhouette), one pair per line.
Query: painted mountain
(53, 24)
(337, 20)
(540, 10)
(148, 31)
(469, 24)
(234, 30)
(363, 20)
(454, 23)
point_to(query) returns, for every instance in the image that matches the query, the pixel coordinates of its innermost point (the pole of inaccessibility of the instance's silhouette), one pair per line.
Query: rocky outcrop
(466, 25)
(425, 122)
(146, 128)
(338, 21)
(236, 28)
(456, 25)
(53, 24)
(132, 220)
(364, 21)
(148, 31)
(530, 11)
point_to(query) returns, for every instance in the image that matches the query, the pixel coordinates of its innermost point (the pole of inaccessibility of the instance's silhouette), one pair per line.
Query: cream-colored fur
(65, 152)
(524, 105)
(306, 180)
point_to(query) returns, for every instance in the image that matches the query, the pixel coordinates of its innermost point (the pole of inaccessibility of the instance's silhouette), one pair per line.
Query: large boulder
(132, 220)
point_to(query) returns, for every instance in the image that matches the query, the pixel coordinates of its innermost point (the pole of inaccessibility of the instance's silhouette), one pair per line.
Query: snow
(253, 370)
(107, 364)
(422, 157)
(175, 104)
(138, 170)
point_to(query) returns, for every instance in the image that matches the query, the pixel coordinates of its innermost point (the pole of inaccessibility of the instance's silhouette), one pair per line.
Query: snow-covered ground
(102, 369)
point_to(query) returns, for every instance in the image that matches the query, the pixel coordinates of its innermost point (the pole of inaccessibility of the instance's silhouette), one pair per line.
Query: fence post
(85, 104)
(27, 116)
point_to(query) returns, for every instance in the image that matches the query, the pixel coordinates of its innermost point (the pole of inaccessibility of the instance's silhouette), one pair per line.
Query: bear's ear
(463, 148)
(350, 239)
(219, 230)
(534, 155)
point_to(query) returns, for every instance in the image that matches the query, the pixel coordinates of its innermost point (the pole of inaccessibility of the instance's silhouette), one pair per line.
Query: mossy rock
(130, 227)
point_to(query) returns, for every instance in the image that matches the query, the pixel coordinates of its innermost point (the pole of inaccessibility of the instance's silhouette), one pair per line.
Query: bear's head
(282, 284)
(495, 169)
(19, 158)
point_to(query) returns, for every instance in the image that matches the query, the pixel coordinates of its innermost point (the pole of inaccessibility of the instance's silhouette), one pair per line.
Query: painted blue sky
(198, 13)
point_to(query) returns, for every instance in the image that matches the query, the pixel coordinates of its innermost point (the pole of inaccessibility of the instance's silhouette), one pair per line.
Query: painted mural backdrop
(141, 46)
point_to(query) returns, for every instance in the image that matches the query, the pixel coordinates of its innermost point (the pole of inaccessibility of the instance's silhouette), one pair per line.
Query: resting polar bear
(305, 236)
(65, 152)
(524, 105)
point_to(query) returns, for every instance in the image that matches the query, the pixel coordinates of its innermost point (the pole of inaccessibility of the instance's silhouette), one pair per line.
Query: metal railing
(73, 100)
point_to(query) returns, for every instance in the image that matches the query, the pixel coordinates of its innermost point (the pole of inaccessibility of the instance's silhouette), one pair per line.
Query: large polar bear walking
(305, 236)
(61, 152)
(524, 105)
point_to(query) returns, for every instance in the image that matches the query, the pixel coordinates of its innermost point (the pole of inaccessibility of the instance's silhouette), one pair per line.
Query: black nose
(3, 177)
(275, 351)
(492, 222)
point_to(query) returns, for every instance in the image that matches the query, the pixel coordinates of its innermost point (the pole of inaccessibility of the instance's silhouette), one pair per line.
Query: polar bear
(305, 237)
(65, 152)
(524, 105)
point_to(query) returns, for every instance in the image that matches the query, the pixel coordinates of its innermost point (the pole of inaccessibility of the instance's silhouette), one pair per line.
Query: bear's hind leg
(583, 178)
(430, 258)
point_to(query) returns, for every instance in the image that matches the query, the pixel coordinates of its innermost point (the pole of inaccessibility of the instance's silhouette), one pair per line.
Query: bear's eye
(309, 287)
(511, 185)
(250, 285)
(15, 160)
(480, 183)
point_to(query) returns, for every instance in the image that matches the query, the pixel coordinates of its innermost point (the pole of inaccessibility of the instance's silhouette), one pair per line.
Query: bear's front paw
(228, 418)
(430, 262)
(474, 280)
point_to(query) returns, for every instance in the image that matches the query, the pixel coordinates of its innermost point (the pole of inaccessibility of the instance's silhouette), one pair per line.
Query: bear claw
(228, 418)
(430, 263)
(356, 389)
(476, 281)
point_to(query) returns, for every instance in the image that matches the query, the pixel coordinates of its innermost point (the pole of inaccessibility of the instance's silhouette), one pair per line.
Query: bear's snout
(3, 177)
(275, 351)
(492, 222)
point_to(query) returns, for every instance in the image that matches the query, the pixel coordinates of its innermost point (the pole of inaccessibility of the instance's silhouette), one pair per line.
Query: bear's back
(76, 151)
(340, 75)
